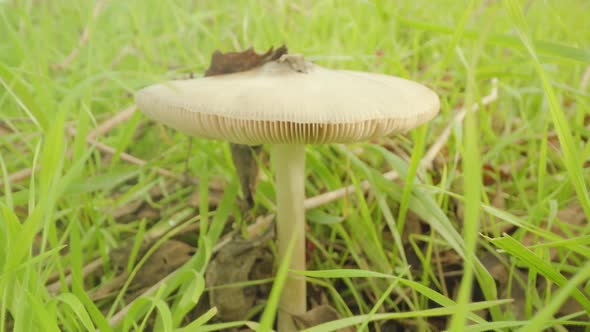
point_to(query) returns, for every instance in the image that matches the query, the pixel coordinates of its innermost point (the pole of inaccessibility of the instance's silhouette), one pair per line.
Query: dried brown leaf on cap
(569, 223)
(233, 62)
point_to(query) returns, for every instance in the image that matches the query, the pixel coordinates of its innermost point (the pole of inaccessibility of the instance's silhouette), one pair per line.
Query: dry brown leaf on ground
(214, 197)
(164, 260)
(138, 209)
(569, 307)
(238, 261)
(318, 315)
(510, 285)
(413, 227)
(245, 160)
(125, 209)
(572, 216)
(491, 225)
(4, 130)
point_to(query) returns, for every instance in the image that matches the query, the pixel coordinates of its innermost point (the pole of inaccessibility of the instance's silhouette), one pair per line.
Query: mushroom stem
(289, 163)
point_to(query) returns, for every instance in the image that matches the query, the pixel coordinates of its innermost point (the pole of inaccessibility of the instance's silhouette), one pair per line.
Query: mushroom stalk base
(289, 163)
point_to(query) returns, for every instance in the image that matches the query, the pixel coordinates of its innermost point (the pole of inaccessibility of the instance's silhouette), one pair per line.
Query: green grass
(531, 146)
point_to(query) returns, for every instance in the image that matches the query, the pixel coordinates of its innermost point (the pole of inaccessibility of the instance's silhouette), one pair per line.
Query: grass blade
(536, 263)
(570, 152)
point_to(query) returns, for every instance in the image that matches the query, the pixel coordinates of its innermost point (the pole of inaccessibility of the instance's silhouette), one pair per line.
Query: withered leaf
(316, 316)
(572, 214)
(167, 258)
(571, 218)
(233, 62)
(214, 196)
(238, 261)
(244, 158)
(4, 130)
(510, 285)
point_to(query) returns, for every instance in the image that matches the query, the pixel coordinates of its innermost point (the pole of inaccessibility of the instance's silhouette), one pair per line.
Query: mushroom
(289, 103)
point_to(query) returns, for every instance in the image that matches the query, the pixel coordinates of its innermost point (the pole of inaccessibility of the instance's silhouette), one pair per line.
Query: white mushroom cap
(276, 103)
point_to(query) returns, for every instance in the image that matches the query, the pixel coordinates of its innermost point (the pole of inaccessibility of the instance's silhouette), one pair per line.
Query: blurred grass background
(531, 145)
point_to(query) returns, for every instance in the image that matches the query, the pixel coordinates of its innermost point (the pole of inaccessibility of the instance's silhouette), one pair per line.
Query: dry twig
(213, 183)
(83, 37)
(442, 139)
(111, 123)
(127, 157)
(89, 268)
(18, 176)
(585, 79)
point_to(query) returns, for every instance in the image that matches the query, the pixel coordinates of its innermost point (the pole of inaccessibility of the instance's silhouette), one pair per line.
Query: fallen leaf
(214, 197)
(4, 130)
(168, 257)
(316, 316)
(510, 285)
(413, 227)
(138, 209)
(571, 216)
(125, 209)
(171, 255)
(238, 261)
(569, 307)
(490, 224)
(245, 160)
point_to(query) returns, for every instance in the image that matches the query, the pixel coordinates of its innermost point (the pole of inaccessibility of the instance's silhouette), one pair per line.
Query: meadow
(475, 221)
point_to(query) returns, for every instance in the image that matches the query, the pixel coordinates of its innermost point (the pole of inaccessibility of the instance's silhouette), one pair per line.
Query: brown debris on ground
(168, 257)
(240, 261)
(569, 218)
(318, 315)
